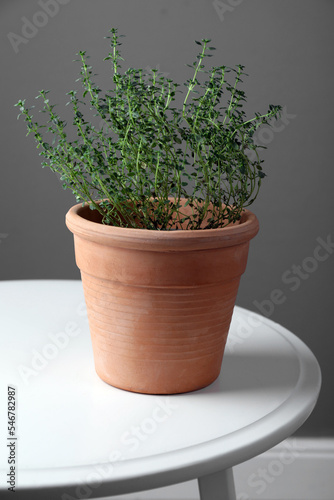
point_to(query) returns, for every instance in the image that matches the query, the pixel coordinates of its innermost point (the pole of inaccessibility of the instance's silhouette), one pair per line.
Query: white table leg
(217, 486)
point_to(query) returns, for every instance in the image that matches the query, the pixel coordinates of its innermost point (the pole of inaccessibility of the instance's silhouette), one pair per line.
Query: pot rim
(148, 239)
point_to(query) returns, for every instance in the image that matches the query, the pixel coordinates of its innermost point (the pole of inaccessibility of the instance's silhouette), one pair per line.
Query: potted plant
(162, 179)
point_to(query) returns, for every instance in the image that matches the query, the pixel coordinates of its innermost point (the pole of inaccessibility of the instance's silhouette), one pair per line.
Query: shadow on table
(256, 373)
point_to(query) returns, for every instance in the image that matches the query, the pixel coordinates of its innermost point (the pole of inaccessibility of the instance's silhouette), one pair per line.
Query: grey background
(287, 48)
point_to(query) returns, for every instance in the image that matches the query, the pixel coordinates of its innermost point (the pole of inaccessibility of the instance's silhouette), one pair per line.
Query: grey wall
(287, 48)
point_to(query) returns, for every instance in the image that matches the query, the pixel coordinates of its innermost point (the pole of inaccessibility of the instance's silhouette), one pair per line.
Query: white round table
(77, 436)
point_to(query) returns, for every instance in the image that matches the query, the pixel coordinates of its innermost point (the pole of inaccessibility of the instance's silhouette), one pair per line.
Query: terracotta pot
(159, 303)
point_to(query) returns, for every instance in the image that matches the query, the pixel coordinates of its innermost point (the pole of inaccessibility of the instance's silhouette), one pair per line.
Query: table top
(72, 428)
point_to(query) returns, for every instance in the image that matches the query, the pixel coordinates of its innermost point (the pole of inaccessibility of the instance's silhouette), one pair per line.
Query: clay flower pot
(159, 303)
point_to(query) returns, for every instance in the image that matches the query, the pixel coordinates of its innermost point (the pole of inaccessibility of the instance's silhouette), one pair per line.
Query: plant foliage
(150, 153)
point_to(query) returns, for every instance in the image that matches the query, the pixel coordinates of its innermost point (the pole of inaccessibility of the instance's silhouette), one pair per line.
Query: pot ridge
(80, 221)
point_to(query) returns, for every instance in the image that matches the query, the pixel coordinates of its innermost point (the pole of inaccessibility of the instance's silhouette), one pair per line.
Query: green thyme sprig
(146, 153)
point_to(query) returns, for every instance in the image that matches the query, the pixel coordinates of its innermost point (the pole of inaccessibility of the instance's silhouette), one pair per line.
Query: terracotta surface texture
(159, 303)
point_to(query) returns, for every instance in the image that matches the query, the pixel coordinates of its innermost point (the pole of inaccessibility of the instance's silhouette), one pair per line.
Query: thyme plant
(151, 153)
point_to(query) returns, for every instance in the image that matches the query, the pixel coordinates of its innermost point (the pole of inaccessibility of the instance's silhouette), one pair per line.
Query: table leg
(217, 486)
